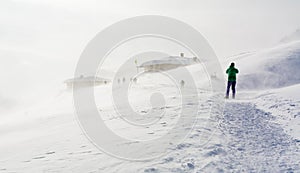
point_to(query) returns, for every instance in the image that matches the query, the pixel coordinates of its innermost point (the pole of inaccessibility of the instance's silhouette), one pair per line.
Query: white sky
(63, 27)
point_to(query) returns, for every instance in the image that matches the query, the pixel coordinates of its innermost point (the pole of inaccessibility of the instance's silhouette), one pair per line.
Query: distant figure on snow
(135, 80)
(231, 71)
(182, 83)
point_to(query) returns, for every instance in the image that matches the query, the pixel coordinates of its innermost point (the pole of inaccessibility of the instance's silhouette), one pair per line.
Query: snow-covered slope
(272, 68)
(292, 37)
(250, 137)
(284, 104)
(258, 132)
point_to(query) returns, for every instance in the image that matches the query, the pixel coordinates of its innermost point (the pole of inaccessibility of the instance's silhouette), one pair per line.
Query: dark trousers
(232, 85)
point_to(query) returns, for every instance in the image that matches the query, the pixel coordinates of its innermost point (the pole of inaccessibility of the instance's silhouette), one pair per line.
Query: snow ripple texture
(255, 143)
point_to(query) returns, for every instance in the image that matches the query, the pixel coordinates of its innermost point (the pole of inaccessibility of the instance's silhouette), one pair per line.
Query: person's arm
(227, 70)
(237, 71)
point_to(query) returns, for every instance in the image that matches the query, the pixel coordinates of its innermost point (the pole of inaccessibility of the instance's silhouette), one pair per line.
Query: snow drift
(272, 68)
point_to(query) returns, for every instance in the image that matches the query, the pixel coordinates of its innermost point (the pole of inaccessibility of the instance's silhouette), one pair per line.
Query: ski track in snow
(254, 143)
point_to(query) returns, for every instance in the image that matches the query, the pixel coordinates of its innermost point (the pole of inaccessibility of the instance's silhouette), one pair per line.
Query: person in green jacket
(231, 71)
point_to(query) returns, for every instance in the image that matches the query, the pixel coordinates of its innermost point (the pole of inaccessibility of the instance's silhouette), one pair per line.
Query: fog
(41, 40)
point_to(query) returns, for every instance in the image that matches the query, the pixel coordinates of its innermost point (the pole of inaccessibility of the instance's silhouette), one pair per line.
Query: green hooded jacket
(231, 71)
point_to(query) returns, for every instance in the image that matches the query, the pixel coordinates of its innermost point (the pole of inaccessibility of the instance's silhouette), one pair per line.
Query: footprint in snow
(41, 157)
(51, 152)
(151, 170)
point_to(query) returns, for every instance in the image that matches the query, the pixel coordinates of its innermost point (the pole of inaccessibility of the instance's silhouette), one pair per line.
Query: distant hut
(168, 63)
(84, 81)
